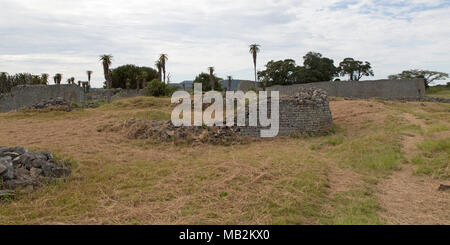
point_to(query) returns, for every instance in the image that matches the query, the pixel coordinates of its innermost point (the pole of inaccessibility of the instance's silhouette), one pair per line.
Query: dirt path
(409, 199)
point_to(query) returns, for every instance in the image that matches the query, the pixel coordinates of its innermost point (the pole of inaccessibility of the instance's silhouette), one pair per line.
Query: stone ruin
(306, 113)
(21, 168)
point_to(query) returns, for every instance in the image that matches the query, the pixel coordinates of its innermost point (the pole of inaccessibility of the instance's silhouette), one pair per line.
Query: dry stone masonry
(387, 89)
(21, 168)
(308, 112)
(305, 113)
(29, 95)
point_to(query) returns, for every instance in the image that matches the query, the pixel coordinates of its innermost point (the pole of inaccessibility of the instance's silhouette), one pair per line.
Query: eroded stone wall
(308, 112)
(28, 95)
(387, 89)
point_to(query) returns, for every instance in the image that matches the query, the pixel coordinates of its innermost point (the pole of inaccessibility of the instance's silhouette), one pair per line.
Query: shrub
(157, 88)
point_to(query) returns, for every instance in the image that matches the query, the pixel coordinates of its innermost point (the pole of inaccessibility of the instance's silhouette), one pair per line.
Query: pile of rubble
(310, 96)
(166, 131)
(53, 103)
(24, 169)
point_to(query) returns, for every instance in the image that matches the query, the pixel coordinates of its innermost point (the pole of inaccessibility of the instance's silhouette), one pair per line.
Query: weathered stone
(21, 173)
(48, 155)
(3, 169)
(20, 168)
(35, 172)
(7, 163)
(19, 150)
(38, 163)
(9, 154)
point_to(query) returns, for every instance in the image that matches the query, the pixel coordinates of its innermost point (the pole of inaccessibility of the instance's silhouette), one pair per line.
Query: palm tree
(229, 82)
(211, 77)
(158, 65)
(58, 78)
(44, 78)
(89, 74)
(71, 80)
(163, 58)
(254, 50)
(106, 61)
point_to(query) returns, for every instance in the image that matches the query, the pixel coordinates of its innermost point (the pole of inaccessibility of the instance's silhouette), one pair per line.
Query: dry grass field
(382, 165)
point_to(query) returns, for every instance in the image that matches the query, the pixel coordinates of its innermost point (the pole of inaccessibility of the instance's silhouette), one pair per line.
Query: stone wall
(102, 94)
(28, 95)
(388, 89)
(308, 112)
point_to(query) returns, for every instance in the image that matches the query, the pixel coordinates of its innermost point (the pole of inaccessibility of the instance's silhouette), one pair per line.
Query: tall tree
(89, 74)
(44, 78)
(355, 69)
(317, 68)
(428, 76)
(205, 80)
(106, 62)
(58, 78)
(158, 65)
(71, 80)
(123, 74)
(229, 82)
(254, 50)
(211, 77)
(281, 72)
(163, 58)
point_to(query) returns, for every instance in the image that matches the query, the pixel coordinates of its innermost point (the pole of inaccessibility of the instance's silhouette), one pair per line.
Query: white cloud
(67, 36)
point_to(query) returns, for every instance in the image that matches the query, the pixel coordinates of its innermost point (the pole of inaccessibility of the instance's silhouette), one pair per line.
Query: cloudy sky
(68, 36)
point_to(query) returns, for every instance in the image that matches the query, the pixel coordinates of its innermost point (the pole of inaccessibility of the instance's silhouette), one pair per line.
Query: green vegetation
(428, 76)
(158, 88)
(131, 74)
(355, 69)
(205, 80)
(316, 68)
(442, 91)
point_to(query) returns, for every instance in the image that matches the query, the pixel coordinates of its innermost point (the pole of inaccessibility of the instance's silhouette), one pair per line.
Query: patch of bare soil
(352, 114)
(411, 200)
(342, 179)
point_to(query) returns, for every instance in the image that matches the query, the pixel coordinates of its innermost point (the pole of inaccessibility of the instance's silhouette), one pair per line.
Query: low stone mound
(166, 131)
(57, 103)
(310, 96)
(21, 168)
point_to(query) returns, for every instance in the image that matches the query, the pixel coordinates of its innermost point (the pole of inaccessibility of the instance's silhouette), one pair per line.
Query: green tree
(57, 78)
(44, 78)
(254, 50)
(89, 74)
(211, 77)
(130, 73)
(158, 88)
(106, 60)
(355, 69)
(282, 72)
(71, 80)
(204, 79)
(428, 76)
(163, 59)
(317, 68)
(158, 65)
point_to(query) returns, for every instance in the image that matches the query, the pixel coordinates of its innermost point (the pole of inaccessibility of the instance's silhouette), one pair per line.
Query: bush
(157, 88)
